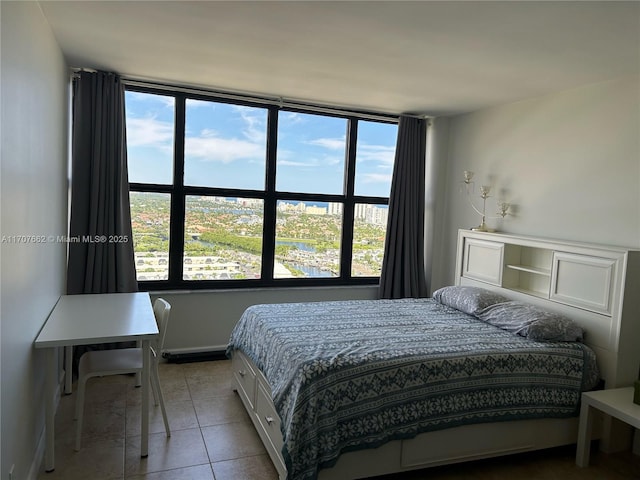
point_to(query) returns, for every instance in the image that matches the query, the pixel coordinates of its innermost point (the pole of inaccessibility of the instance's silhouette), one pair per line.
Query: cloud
(377, 153)
(291, 163)
(375, 178)
(219, 146)
(330, 143)
(309, 162)
(255, 129)
(291, 158)
(194, 103)
(149, 132)
(167, 101)
(210, 147)
(332, 160)
(290, 118)
(164, 100)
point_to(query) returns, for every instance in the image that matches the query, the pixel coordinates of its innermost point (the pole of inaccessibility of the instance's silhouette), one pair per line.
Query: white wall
(570, 162)
(435, 201)
(34, 101)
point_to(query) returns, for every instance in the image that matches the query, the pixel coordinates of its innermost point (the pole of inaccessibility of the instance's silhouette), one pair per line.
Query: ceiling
(423, 57)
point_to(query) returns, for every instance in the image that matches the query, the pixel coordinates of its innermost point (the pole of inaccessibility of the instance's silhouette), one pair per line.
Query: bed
(351, 389)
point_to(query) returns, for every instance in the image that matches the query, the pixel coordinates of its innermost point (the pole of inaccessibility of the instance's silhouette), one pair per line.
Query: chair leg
(82, 383)
(155, 379)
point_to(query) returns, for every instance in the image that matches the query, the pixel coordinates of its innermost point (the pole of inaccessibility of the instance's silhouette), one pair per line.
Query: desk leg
(146, 363)
(50, 408)
(138, 375)
(68, 369)
(584, 435)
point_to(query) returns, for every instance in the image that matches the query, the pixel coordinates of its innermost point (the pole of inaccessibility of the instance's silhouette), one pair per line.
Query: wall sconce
(485, 190)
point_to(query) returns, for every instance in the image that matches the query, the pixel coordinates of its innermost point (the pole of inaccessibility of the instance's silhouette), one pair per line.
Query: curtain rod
(262, 99)
(257, 98)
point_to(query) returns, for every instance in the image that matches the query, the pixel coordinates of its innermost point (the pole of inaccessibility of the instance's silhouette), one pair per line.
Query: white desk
(617, 402)
(89, 319)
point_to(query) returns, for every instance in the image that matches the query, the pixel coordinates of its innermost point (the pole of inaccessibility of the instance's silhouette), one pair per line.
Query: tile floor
(213, 438)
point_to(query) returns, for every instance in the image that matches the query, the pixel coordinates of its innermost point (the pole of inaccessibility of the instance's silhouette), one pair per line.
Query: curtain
(403, 269)
(101, 260)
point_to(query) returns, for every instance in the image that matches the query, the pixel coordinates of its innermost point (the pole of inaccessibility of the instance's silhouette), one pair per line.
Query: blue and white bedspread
(349, 375)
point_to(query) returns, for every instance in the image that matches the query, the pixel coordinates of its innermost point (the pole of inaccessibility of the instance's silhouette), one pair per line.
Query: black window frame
(178, 193)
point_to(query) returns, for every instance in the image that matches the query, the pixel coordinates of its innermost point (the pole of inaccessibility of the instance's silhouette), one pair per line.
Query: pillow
(469, 300)
(531, 322)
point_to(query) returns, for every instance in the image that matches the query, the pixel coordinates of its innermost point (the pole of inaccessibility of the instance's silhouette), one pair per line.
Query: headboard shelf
(596, 285)
(545, 272)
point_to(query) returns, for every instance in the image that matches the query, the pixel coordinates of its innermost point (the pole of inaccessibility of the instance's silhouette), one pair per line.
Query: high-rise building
(315, 210)
(335, 208)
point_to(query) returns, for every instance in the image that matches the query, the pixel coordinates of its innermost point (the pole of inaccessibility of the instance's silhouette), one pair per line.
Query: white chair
(120, 361)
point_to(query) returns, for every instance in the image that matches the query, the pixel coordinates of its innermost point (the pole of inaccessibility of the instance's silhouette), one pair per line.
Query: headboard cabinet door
(483, 261)
(583, 281)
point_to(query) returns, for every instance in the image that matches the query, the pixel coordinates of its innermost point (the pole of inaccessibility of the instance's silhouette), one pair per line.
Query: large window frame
(179, 192)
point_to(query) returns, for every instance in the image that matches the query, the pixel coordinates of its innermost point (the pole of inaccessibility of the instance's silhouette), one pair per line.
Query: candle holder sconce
(485, 191)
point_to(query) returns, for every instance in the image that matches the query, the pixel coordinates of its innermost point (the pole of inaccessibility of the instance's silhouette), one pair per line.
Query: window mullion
(176, 241)
(270, 201)
(346, 248)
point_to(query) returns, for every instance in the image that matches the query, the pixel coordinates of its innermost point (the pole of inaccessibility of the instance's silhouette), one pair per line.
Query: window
(224, 145)
(150, 220)
(232, 194)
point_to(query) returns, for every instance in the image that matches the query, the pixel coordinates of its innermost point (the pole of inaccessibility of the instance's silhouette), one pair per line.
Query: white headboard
(597, 286)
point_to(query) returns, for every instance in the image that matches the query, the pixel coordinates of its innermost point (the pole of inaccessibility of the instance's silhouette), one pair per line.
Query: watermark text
(23, 239)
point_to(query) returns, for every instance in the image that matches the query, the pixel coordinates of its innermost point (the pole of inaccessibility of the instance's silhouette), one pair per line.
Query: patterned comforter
(349, 375)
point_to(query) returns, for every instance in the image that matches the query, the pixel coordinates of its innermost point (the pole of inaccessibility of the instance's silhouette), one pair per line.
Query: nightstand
(617, 402)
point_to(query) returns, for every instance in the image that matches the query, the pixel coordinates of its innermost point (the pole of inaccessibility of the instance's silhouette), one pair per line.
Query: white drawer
(268, 418)
(245, 376)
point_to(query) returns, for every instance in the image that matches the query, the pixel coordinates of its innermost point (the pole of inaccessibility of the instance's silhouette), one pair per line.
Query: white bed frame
(598, 286)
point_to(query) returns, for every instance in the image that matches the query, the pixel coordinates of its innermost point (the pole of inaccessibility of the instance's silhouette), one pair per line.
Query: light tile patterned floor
(211, 435)
(213, 438)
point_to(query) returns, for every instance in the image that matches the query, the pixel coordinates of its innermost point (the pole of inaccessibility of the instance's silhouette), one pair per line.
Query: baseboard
(38, 458)
(34, 471)
(202, 354)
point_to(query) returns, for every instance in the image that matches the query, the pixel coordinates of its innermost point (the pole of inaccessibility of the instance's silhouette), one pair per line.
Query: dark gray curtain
(403, 273)
(102, 260)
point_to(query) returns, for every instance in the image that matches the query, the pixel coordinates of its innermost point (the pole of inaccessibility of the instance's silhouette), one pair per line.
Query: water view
(223, 238)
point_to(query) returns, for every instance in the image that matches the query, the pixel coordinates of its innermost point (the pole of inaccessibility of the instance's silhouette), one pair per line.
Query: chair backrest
(161, 310)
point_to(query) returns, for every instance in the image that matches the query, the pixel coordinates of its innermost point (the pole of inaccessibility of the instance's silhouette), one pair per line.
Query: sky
(225, 146)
